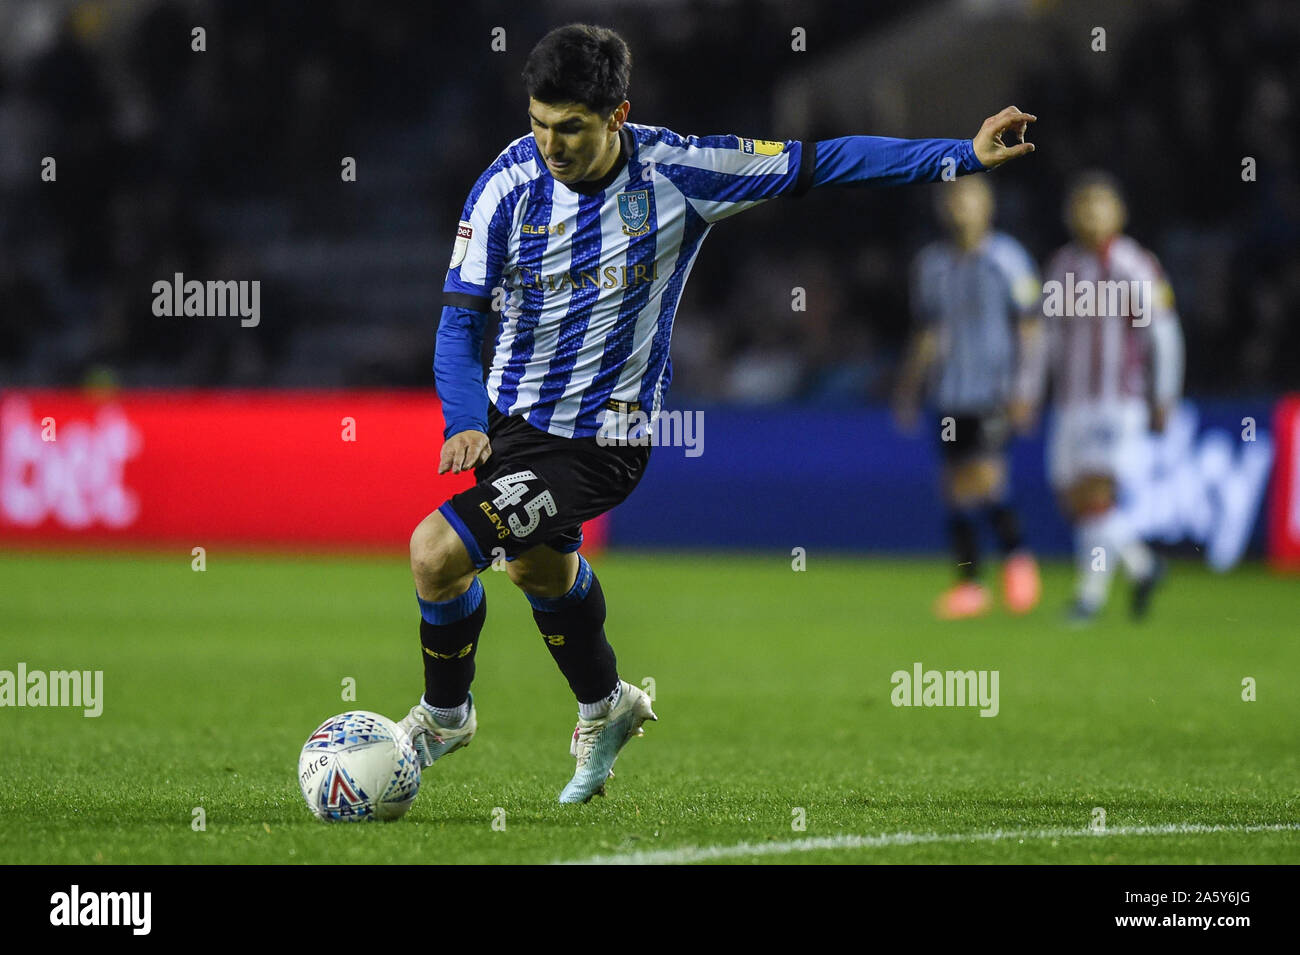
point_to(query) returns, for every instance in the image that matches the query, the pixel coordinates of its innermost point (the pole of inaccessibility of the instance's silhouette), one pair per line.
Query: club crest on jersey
(634, 210)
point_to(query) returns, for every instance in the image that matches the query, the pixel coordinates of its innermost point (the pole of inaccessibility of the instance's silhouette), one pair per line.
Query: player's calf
(572, 623)
(573, 628)
(453, 608)
(1104, 536)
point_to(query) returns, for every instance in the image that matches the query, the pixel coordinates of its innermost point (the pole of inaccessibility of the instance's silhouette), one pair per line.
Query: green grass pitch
(772, 687)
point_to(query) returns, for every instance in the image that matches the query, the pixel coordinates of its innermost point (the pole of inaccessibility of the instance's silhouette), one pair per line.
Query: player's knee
(533, 580)
(975, 482)
(543, 574)
(439, 561)
(1091, 495)
(1099, 493)
(994, 478)
(518, 574)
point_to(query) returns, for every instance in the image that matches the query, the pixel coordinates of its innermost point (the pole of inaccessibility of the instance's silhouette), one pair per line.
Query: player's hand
(1022, 415)
(991, 150)
(464, 450)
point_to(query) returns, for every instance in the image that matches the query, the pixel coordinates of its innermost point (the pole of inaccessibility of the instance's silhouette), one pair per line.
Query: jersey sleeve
(723, 175)
(457, 371)
(1024, 299)
(1024, 289)
(479, 258)
(1165, 331)
(885, 161)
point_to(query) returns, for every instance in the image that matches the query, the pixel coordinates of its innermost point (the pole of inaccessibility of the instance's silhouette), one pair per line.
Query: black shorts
(538, 488)
(972, 436)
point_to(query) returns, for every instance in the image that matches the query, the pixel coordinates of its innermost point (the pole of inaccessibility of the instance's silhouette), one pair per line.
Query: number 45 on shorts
(512, 489)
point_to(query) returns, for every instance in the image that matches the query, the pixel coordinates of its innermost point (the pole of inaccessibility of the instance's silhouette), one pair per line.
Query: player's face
(967, 207)
(575, 142)
(1096, 214)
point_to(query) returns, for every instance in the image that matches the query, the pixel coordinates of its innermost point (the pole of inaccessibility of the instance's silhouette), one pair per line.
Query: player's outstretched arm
(885, 161)
(990, 143)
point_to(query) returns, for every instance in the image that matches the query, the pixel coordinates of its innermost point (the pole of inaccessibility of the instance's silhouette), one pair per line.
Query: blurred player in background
(975, 301)
(1116, 373)
(579, 238)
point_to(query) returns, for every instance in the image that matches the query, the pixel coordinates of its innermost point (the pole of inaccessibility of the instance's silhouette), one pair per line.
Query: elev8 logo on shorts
(513, 488)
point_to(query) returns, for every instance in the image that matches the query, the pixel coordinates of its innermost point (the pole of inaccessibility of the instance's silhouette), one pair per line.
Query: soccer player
(1117, 366)
(975, 299)
(581, 234)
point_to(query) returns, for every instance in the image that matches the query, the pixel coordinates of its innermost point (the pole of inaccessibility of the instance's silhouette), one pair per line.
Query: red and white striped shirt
(1113, 334)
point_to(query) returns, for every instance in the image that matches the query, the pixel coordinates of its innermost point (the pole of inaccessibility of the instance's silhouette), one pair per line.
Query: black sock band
(574, 629)
(1006, 525)
(961, 534)
(448, 647)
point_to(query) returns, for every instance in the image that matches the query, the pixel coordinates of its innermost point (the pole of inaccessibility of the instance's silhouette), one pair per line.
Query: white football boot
(433, 741)
(596, 743)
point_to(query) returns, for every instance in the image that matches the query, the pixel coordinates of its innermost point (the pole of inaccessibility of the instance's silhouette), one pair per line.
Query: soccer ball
(358, 766)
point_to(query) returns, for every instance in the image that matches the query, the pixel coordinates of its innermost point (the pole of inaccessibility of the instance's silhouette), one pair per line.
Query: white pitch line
(688, 854)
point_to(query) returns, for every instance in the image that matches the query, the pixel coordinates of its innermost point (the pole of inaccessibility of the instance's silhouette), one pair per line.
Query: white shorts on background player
(1100, 437)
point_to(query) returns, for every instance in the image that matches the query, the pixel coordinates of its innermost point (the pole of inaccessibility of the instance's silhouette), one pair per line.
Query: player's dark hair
(580, 63)
(1093, 178)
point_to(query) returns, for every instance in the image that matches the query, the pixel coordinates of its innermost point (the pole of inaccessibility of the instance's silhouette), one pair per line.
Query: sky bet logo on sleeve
(761, 147)
(464, 232)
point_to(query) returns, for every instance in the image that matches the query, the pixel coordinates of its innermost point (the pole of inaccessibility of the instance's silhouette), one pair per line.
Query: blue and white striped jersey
(974, 301)
(587, 279)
